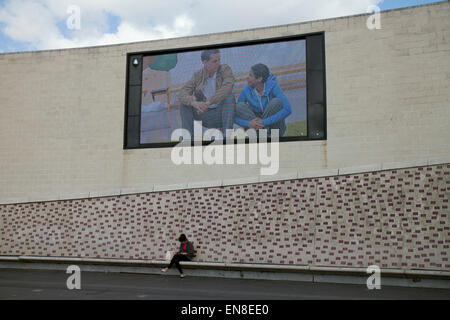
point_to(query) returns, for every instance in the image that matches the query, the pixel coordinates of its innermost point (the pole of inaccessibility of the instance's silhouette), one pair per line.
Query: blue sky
(393, 4)
(28, 25)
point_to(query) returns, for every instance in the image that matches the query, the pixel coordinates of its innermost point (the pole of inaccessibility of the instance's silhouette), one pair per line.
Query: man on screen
(262, 104)
(207, 95)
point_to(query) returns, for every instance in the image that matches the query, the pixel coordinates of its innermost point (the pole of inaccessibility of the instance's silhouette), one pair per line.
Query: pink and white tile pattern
(394, 219)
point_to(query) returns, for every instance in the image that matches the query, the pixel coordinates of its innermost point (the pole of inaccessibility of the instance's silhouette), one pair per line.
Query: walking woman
(186, 253)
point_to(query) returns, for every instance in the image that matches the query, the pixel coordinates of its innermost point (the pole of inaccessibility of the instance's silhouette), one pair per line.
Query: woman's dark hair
(260, 71)
(206, 54)
(182, 238)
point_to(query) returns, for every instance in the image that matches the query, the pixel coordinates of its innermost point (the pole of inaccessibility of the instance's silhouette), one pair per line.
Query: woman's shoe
(182, 275)
(164, 269)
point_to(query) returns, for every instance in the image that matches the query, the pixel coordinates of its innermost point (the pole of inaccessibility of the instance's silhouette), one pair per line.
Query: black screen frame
(315, 94)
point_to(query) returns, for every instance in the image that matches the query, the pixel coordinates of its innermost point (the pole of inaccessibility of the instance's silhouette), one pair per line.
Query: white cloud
(26, 21)
(129, 32)
(39, 23)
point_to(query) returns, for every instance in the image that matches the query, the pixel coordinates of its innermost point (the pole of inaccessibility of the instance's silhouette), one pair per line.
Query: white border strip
(299, 174)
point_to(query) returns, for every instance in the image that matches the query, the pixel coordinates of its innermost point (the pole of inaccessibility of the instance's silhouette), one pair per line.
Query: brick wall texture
(394, 219)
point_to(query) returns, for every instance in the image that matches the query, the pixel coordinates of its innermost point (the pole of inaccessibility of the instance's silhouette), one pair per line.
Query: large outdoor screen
(227, 88)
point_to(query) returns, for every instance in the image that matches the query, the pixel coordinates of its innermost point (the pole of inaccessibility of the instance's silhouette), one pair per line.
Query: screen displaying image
(260, 86)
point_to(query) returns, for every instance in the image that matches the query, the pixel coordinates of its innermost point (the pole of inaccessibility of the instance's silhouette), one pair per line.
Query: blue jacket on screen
(271, 90)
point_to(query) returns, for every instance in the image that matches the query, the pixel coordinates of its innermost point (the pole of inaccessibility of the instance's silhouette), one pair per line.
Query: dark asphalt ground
(41, 284)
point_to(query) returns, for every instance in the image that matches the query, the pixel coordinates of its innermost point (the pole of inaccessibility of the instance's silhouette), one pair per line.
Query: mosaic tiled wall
(395, 219)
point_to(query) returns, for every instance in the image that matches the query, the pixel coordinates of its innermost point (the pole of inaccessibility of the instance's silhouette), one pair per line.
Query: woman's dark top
(189, 248)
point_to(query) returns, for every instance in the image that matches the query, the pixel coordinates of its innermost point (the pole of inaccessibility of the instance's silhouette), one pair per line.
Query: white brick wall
(61, 129)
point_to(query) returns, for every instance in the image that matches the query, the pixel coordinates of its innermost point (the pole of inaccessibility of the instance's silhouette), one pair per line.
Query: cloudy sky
(27, 25)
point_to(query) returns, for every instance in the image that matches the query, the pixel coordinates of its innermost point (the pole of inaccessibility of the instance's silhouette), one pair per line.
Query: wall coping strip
(229, 266)
(300, 174)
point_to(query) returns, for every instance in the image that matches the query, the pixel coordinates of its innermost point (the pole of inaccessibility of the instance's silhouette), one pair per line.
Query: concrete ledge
(73, 196)
(105, 193)
(170, 187)
(407, 164)
(238, 181)
(440, 160)
(389, 277)
(279, 177)
(65, 260)
(359, 169)
(318, 174)
(13, 200)
(14, 259)
(137, 190)
(204, 184)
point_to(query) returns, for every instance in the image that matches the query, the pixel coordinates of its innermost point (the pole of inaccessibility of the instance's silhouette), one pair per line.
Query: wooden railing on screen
(240, 82)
